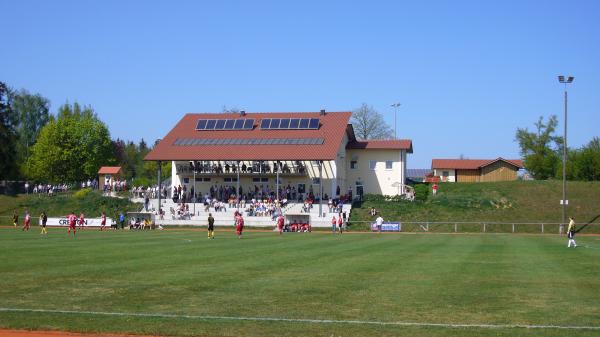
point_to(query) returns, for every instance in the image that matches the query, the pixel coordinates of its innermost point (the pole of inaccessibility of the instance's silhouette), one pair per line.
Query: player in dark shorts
(43, 221)
(341, 223)
(571, 233)
(211, 226)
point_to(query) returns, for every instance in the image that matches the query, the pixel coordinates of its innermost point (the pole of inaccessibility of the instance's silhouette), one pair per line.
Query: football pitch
(179, 283)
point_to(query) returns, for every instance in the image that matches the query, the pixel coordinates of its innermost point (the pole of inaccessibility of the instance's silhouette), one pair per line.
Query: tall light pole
(395, 106)
(565, 81)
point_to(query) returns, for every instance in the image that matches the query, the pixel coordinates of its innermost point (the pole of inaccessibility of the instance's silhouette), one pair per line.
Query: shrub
(82, 193)
(421, 192)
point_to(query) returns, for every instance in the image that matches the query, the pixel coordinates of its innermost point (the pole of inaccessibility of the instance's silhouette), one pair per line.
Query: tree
(72, 147)
(32, 114)
(541, 149)
(584, 163)
(369, 124)
(8, 134)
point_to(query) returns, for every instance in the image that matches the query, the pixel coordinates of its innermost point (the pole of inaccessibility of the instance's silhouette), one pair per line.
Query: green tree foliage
(8, 134)
(540, 149)
(72, 147)
(130, 157)
(584, 163)
(369, 124)
(32, 111)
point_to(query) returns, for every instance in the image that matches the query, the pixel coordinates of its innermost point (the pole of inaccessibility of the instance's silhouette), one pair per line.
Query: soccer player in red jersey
(280, 221)
(72, 218)
(81, 220)
(239, 224)
(341, 223)
(103, 222)
(27, 221)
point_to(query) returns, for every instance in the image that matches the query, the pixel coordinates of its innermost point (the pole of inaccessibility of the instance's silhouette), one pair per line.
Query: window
(301, 188)
(372, 164)
(388, 164)
(230, 180)
(445, 174)
(316, 181)
(354, 165)
(206, 180)
(186, 180)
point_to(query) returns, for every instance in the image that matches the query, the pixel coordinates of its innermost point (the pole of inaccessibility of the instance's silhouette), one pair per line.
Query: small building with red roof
(476, 170)
(303, 149)
(107, 174)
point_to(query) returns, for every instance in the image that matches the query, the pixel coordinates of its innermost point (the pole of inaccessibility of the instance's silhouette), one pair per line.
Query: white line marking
(315, 321)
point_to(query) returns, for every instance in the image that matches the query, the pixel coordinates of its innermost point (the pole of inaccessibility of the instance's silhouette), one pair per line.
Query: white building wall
(379, 180)
(450, 177)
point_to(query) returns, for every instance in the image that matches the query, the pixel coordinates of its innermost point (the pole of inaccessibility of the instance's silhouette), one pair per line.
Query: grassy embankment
(509, 202)
(91, 203)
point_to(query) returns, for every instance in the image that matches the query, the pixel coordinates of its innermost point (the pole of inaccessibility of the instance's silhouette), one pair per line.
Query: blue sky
(467, 73)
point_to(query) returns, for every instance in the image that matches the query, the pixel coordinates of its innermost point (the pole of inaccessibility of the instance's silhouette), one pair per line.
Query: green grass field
(498, 279)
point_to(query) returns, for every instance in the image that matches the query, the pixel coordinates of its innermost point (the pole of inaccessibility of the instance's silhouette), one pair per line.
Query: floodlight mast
(562, 80)
(395, 106)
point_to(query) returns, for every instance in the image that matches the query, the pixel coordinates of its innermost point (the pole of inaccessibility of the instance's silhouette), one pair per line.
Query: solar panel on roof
(275, 123)
(314, 123)
(294, 122)
(201, 124)
(229, 124)
(303, 123)
(285, 123)
(264, 123)
(239, 123)
(220, 124)
(210, 124)
(248, 124)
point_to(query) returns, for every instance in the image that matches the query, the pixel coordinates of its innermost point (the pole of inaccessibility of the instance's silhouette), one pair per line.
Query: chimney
(242, 113)
(322, 112)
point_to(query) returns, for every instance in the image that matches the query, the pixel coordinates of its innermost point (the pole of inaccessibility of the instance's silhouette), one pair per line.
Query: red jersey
(280, 222)
(340, 221)
(103, 219)
(72, 219)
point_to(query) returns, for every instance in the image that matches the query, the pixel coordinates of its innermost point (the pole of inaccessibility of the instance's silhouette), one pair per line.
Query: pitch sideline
(313, 321)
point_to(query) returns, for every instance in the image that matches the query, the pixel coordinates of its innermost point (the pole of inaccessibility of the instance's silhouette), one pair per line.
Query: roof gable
(184, 142)
(471, 164)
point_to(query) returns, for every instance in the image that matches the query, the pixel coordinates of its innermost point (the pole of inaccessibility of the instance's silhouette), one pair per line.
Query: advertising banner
(387, 227)
(94, 222)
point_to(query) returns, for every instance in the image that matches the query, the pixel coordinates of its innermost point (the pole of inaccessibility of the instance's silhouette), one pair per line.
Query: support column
(320, 188)
(159, 187)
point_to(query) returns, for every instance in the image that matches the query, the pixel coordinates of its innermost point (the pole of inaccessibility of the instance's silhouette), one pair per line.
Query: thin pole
(237, 191)
(564, 203)
(395, 123)
(277, 182)
(320, 188)
(159, 187)
(194, 196)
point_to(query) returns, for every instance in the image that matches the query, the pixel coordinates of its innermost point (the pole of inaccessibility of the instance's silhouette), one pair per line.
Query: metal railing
(484, 227)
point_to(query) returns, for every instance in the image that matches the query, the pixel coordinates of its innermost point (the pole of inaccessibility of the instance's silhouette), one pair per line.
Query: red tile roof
(109, 170)
(400, 144)
(332, 130)
(471, 164)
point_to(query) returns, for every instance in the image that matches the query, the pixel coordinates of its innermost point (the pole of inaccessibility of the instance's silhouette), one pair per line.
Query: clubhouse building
(312, 153)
